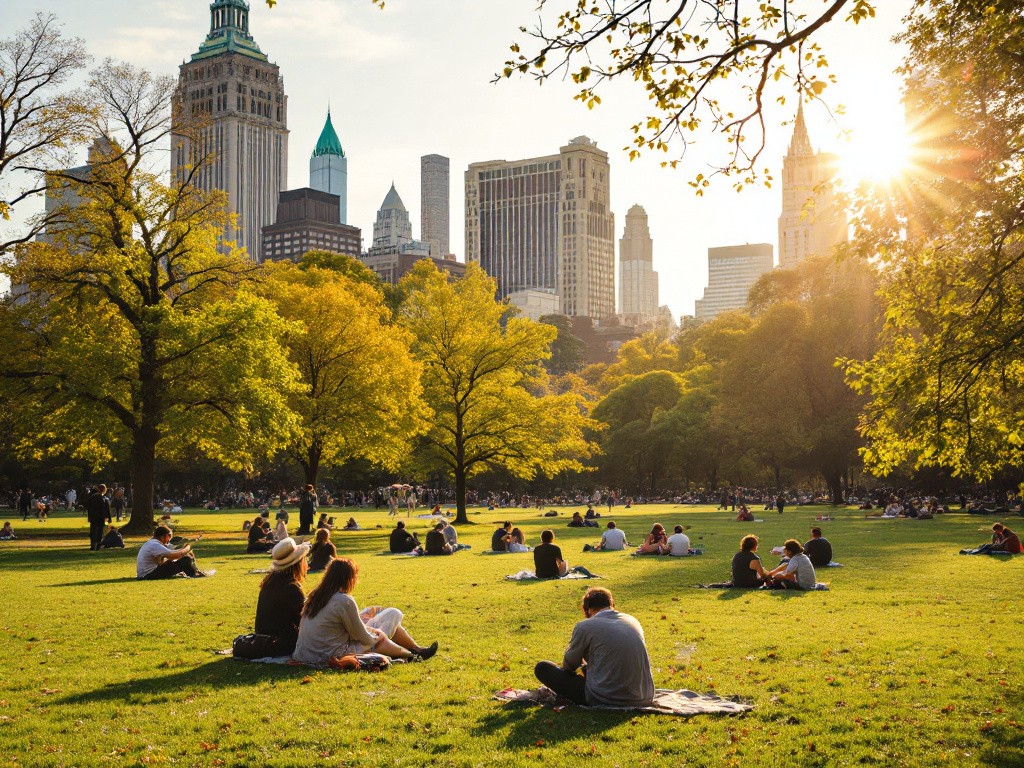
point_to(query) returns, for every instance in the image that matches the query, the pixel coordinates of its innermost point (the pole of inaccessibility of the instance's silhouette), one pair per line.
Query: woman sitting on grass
(7, 533)
(323, 551)
(279, 608)
(332, 625)
(746, 565)
(351, 525)
(260, 539)
(517, 542)
(656, 542)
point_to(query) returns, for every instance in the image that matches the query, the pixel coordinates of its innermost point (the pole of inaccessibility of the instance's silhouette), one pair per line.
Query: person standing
(780, 503)
(610, 646)
(117, 502)
(25, 503)
(308, 504)
(97, 508)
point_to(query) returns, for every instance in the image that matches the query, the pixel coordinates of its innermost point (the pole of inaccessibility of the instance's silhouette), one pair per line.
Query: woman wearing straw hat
(279, 608)
(332, 625)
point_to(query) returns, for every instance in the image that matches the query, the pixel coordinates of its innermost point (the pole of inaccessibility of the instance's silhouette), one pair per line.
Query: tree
(360, 391)
(141, 333)
(946, 388)
(483, 379)
(681, 52)
(39, 123)
(567, 350)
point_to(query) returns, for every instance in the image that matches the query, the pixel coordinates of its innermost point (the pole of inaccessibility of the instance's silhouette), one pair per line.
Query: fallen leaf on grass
(306, 680)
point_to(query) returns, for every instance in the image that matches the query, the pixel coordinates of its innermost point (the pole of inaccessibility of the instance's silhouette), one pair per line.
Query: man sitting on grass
(402, 541)
(612, 540)
(436, 543)
(679, 543)
(156, 560)
(611, 648)
(818, 549)
(547, 558)
(798, 573)
(501, 537)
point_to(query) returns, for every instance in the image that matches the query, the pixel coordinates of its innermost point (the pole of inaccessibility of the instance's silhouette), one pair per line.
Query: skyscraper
(328, 167)
(732, 270)
(434, 203)
(545, 223)
(392, 228)
(638, 282)
(812, 220)
(232, 107)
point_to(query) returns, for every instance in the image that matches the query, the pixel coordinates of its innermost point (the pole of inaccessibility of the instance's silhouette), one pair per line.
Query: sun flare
(875, 154)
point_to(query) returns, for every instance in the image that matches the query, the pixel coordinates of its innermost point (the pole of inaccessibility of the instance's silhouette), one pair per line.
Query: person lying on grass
(609, 646)
(747, 571)
(798, 573)
(656, 542)
(279, 608)
(1004, 542)
(332, 625)
(156, 560)
(322, 551)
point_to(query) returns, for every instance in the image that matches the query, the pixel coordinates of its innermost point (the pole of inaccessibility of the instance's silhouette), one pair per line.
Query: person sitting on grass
(436, 543)
(517, 541)
(547, 558)
(610, 648)
(351, 525)
(798, 573)
(501, 537)
(591, 514)
(451, 536)
(279, 607)
(323, 522)
(818, 549)
(678, 543)
(322, 551)
(402, 541)
(656, 542)
(577, 521)
(156, 560)
(112, 539)
(260, 540)
(744, 515)
(612, 540)
(7, 533)
(1004, 542)
(332, 625)
(747, 571)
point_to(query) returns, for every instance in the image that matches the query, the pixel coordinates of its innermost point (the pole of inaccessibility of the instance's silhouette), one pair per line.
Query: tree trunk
(311, 466)
(143, 458)
(460, 494)
(834, 479)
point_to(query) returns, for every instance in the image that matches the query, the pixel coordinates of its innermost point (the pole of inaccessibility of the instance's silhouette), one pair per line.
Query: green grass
(912, 658)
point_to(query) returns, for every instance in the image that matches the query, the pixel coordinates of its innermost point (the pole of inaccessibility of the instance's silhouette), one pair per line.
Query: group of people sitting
(796, 571)
(658, 542)
(584, 521)
(442, 539)
(509, 539)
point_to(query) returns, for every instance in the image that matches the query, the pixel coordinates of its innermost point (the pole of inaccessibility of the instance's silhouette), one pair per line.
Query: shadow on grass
(527, 724)
(215, 675)
(118, 580)
(1005, 740)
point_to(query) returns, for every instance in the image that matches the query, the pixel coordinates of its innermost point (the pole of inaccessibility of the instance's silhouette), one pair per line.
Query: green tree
(483, 379)
(946, 388)
(360, 392)
(140, 335)
(567, 350)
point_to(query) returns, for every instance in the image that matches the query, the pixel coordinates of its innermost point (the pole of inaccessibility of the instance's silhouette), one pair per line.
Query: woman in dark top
(258, 538)
(279, 608)
(323, 551)
(746, 565)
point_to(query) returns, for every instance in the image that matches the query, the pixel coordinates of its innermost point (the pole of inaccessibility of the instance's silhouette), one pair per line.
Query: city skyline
(347, 54)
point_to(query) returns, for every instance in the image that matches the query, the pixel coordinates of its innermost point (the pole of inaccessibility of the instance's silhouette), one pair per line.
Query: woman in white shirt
(518, 542)
(332, 625)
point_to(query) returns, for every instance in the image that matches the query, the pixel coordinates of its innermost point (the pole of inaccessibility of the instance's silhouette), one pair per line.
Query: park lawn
(912, 658)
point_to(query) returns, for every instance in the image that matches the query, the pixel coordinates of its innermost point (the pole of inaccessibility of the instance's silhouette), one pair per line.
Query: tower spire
(800, 144)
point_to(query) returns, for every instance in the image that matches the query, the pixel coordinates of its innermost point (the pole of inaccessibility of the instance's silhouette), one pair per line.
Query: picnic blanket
(692, 553)
(362, 662)
(579, 572)
(682, 703)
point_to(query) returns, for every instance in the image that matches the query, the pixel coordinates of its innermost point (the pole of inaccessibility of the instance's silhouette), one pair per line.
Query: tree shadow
(93, 582)
(220, 674)
(529, 724)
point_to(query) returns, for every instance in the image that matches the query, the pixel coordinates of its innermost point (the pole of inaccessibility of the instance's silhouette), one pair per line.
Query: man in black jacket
(97, 507)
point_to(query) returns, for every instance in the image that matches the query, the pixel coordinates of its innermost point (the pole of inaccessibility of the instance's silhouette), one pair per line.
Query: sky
(415, 79)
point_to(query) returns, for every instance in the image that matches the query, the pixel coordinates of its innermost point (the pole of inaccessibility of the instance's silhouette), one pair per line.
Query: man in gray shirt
(610, 648)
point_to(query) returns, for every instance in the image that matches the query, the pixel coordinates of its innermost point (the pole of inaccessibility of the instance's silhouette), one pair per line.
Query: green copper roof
(229, 32)
(328, 143)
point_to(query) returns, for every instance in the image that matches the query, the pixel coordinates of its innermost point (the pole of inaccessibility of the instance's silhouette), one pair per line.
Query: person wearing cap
(156, 560)
(279, 608)
(308, 503)
(332, 625)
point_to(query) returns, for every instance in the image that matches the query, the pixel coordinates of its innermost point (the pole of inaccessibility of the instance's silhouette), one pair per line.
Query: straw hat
(287, 553)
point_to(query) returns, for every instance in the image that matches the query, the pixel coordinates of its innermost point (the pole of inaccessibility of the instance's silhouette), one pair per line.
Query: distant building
(236, 95)
(392, 228)
(307, 219)
(435, 193)
(638, 282)
(535, 304)
(812, 220)
(545, 223)
(328, 167)
(392, 266)
(732, 270)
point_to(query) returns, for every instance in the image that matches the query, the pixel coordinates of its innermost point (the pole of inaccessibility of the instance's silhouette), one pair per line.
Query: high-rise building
(233, 110)
(812, 219)
(638, 282)
(328, 167)
(307, 219)
(732, 270)
(392, 228)
(435, 213)
(545, 223)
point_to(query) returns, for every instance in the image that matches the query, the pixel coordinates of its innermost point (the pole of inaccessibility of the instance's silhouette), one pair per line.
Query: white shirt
(613, 539)
(680, 544)
(150, 555)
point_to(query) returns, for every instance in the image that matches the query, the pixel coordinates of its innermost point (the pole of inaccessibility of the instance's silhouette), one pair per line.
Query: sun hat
(287, 553)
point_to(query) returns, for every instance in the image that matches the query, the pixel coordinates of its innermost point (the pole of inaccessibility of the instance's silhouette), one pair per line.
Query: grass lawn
(913, 658)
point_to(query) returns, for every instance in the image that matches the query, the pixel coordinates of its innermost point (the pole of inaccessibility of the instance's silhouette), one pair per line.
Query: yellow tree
(140, 332)
(360, 394)
(483, 379)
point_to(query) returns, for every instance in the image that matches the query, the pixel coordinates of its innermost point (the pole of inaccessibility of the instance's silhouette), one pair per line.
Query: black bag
(254, 646)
